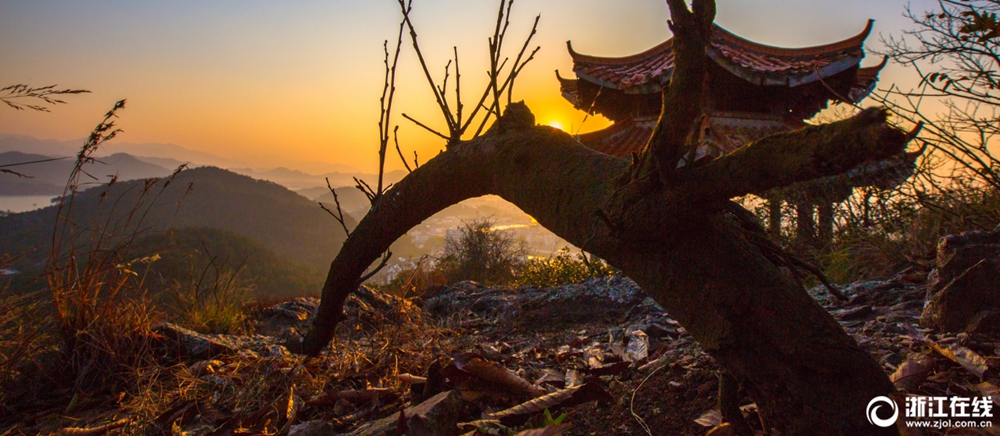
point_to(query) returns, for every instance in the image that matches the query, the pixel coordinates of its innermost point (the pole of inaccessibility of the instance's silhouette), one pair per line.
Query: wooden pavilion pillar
(774, 217)
(825, 212)
(805, 224)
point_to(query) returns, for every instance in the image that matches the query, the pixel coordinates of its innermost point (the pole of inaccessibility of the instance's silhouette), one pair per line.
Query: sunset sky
(273, 83)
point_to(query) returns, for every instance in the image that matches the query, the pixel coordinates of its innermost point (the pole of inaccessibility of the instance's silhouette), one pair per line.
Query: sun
(557, 125)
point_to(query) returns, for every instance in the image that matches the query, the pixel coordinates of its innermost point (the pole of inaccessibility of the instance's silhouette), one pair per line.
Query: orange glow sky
(272, 84)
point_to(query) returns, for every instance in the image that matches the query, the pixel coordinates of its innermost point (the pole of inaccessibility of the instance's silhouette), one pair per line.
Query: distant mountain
(171, 151)
(314, 192)
(323, 167)
(284, 222)
(165, 155)
(47, 147)
(352, 201)
(49, 178)
(299, 180)
(51, 147)
(167, 162)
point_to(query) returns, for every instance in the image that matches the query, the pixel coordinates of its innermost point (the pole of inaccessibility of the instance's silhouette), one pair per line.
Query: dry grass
(244, 390)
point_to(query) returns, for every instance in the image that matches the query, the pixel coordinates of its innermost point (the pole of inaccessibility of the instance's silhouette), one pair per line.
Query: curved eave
(569, 89)
(785, 78)
(853, 43)
(867, 79)
(663, 47)
(719, 33)
(842, 55)
(870, 74)
(848, 54)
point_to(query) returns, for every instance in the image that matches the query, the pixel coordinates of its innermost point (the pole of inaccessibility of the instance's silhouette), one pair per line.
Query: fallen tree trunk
(693, 258)
(672, 230)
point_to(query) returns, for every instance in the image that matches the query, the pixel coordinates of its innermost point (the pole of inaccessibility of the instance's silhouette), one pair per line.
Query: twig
(43, 93)
(458, 95)
(367, 190)
(425, 127)
(339, 216)
(382, 264)
(6, 171)
(406, 8)
(395, 138)
(33, 162)
(631, 403)
(388, 95)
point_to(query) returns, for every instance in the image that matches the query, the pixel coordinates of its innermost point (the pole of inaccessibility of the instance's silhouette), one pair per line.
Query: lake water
(24, 203)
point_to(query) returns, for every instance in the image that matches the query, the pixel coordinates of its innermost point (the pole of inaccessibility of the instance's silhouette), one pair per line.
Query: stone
(179, 343)
(188, 344)
(438, 416)
(966, 286)
(618, 298)
(294, 310)
(312, 428)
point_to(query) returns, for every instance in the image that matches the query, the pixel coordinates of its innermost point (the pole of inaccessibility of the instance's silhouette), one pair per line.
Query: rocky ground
(615, 362)
(467, 357)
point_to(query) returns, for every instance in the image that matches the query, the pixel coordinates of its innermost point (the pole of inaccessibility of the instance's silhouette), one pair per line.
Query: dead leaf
(557, 400)
(353, 396)
(972, 362)
(710, 418)
(92, 431)
(988, 389)
(410, 378)
(723, 429)
(914, 370)
(552, 430)
(638, 346)
(611, 369)
(496, 375)
(293, 405)
(573, 378)
(552, 377)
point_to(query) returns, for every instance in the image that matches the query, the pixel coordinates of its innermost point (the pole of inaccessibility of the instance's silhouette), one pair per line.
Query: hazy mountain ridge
(168, 155)
(299, 180)
(51, 147)
(49, 178)
(286, 223)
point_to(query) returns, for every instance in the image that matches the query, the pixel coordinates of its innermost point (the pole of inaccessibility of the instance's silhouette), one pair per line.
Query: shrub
(213, 302)
(481, 253)
(561, 269)
(880, 233)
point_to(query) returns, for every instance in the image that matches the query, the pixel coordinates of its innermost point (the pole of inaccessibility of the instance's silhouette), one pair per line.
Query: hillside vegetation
(184, 257)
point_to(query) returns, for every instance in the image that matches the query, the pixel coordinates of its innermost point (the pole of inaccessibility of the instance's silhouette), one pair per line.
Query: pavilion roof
(620, 138)
(756, 63)
(720, 133)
